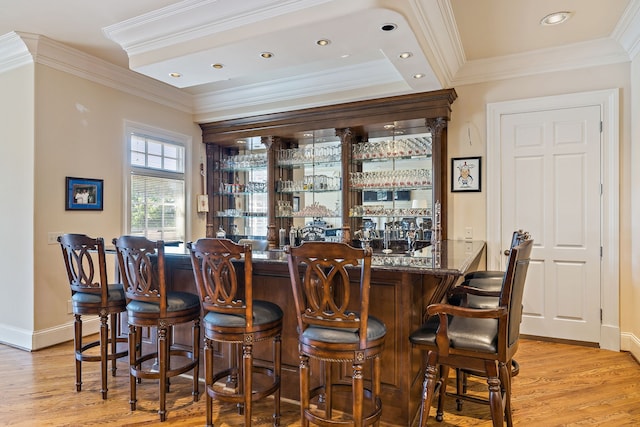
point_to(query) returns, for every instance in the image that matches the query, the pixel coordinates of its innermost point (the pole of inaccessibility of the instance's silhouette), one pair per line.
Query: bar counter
(401, 288)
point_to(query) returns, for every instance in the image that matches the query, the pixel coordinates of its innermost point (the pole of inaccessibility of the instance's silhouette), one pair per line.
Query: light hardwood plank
(558, 385)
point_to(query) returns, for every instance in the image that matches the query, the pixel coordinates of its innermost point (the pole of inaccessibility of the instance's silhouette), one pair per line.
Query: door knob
(506, 252)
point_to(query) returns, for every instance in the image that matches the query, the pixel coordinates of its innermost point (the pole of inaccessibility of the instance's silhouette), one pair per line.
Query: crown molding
(370, 75)
(627, 32)
(14, 52)
(18, 48)
(189, 20)
(438, 36)
(570, 57)
(449, 62)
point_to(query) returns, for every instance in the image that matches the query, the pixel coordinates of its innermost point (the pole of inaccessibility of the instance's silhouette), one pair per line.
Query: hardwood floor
(558, 385)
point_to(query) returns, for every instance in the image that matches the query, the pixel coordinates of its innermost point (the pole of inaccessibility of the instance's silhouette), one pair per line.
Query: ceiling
(451, 42)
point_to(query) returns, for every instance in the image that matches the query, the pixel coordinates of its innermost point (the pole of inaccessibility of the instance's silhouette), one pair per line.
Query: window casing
(156, 200)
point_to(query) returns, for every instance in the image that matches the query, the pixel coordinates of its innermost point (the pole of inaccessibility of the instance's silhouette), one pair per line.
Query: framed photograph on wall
(84, 194)
(465, 174)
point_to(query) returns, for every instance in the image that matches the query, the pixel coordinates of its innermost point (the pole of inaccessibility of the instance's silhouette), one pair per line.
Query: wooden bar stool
(331, 331)
(150, 304)
(91, 294)
(233, 316)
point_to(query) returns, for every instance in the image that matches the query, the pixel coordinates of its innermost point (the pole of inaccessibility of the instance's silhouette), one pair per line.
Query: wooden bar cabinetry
(307, 160)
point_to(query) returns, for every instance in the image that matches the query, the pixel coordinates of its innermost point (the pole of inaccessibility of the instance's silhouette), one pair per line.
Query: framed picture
(84, 194)
(466, 174)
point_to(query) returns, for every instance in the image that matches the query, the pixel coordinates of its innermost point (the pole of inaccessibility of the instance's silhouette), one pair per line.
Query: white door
(551, 187)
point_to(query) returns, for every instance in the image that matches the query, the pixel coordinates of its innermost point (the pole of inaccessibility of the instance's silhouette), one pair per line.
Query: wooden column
(346, 138)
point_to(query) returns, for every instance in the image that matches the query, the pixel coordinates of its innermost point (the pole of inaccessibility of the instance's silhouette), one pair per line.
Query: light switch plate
(468, 233)
(52, 237)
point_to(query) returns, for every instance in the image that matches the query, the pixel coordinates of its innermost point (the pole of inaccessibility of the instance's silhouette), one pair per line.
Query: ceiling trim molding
(45, 51)
(189, 20)
(595, 53)
(367, 75)
(14, 52)
(440, 39)
(627, 32)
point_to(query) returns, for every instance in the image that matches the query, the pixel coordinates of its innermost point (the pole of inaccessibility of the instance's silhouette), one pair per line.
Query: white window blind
(156, 205)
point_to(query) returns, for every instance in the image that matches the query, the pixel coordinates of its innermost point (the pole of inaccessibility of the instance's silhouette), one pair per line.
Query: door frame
(608, 100)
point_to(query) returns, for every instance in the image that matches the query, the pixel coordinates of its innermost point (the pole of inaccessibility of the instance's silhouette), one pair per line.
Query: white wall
(16, 214)
(629, 304)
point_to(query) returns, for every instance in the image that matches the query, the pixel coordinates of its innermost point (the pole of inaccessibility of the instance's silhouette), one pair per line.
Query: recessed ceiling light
(405, 55)
(323, 42)
(217, 66)
(266, 55)
(175, 75)
(418, 76)
(388, 27)
(556, 18)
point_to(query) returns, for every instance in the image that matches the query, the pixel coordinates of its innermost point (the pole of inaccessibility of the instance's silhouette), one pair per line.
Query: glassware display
(393, 174)
(242, 205)
(309, 184)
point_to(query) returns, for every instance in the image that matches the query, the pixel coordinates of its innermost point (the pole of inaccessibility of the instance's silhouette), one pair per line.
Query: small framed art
(84, 194)
(465, 174)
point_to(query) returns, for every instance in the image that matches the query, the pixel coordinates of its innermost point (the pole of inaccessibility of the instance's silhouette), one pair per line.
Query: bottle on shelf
(282, 234)
(221, 234)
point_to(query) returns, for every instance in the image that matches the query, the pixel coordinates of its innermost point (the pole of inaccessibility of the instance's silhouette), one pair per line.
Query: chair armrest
(478, 313)
(466, 289)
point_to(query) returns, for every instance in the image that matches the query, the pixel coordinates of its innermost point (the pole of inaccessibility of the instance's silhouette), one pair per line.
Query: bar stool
(481, 289)
(150, 304)
(478, 340)
(329, 331)
(236, 319)
(91, 294)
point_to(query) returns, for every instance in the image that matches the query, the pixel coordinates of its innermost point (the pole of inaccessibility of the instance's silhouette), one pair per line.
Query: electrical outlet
(52, 237)
(468, 233)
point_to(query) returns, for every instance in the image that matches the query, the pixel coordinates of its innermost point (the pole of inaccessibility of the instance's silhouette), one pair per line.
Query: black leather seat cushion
(263, 312)
(116, 293)
(176, 301)
(486, 274)
(376, 329)
(464, 333)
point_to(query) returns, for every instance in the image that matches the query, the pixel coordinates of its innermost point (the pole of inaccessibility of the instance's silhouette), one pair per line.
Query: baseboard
(631, 343)
(36, 340)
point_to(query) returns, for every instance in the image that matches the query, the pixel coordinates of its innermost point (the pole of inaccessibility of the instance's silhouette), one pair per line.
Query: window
(156, 201)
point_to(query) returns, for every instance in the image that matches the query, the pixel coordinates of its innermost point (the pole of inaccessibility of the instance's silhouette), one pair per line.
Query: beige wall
(16, 188)
(469, 118)
(79, 131)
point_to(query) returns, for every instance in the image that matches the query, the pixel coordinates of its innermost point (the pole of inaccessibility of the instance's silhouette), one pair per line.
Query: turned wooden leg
(208, 380)
(277, 371)
(163, 355)
(104, 346)
(133, 354)
(77, 340)
(358, 395)
(304, 389)
(495, 394)
(428, 389)
(247, 358)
